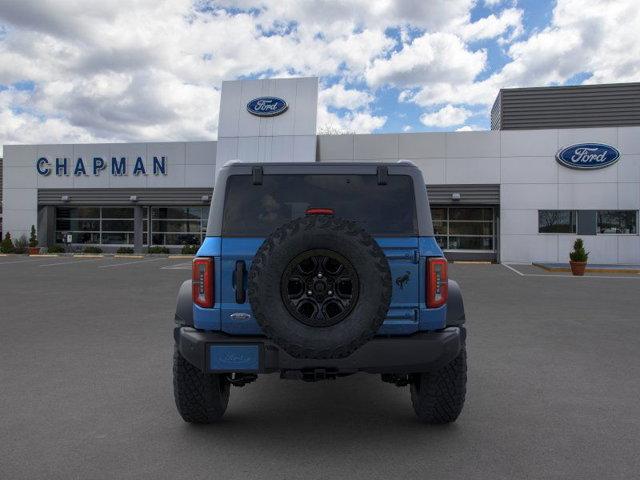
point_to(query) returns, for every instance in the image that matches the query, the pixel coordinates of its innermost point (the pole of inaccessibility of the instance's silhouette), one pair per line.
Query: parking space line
(513, 269)
(179, 266)
(617, 277)
(129, 263)
(69, 263)
(21, 261)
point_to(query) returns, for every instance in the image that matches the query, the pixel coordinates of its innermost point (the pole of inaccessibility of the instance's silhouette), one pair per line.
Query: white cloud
(351, 122)
(151, 69)
(469, 128)
(509, 20)
(338, 96)
(492, 3)
(583, 37)
(447, 116)
(432, 57)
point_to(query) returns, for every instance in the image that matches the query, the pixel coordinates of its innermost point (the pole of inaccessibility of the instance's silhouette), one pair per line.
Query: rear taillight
(437, 282)
(202, 282)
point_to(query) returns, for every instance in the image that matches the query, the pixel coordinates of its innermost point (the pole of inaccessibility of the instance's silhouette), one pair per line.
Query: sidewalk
(592, 268)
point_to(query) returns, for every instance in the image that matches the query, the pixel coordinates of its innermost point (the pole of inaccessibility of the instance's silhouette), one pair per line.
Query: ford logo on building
(267, 106)
(588, 156)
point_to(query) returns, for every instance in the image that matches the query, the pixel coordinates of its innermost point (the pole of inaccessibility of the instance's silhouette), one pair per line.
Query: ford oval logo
(588, 156)
(267, 106)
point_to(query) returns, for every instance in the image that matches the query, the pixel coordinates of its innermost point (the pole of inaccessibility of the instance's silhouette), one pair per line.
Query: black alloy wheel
(319, 288)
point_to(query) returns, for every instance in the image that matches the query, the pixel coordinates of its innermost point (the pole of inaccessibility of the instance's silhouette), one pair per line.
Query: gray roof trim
(121, 196)
(484, 194)
(580, 106)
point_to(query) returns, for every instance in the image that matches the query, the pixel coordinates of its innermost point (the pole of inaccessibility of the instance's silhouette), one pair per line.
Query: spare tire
(320, 287)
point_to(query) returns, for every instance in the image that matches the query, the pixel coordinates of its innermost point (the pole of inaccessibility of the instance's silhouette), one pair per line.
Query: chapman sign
(588, 156)
(96, 165)
(267, 106)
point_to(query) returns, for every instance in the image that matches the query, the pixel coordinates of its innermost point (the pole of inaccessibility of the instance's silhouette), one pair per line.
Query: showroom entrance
(466, 233)
(466, 220)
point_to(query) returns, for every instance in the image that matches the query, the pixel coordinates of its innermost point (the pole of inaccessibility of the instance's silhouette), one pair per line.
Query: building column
(137, 228)
(46, 229)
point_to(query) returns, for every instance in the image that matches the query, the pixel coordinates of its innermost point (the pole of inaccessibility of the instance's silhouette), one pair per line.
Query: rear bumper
(420, 352)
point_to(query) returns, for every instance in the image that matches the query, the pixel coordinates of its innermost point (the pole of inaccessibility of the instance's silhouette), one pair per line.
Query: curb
(589, 270)
(127, 255)
(88, 255)
(180, 256)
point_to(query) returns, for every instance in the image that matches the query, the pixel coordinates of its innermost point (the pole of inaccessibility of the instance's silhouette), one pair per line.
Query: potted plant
(578, 258)
(33, 242)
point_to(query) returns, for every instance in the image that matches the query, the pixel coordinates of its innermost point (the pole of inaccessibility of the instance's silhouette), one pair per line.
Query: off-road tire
(302, 235)
(438, 397)
(200, 397)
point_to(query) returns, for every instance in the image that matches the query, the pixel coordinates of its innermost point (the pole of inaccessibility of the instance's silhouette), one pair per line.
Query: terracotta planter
(578, 268)
(34, 250)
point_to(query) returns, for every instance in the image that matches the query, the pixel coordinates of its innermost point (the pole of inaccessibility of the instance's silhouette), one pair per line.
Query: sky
(77, 71)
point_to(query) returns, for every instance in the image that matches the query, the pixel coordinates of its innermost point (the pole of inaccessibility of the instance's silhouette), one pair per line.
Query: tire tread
(199, 397)
(438, 397)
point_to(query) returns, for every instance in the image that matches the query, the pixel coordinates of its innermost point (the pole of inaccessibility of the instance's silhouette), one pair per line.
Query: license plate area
(231, 357)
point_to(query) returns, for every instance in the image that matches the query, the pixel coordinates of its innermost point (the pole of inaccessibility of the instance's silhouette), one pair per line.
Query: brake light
(319, 211)
(202, 282)
(437, 282)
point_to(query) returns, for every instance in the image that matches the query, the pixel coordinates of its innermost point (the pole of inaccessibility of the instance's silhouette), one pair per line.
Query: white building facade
(500, 195)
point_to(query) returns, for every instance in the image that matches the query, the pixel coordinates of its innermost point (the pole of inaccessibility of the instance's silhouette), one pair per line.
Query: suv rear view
(318, 271)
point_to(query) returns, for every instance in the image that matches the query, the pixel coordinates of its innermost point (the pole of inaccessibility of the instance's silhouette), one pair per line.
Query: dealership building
(559, 163)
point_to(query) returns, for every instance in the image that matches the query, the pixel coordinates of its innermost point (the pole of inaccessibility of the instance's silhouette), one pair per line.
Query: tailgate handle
(238, 274)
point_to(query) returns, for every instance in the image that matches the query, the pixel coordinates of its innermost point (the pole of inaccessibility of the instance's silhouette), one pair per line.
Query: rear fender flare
(455, 306)
(184, 306)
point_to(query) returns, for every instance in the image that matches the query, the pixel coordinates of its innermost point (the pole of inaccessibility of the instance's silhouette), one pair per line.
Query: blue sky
(151, 70)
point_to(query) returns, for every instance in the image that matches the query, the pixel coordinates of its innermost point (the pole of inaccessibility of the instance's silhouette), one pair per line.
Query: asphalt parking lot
(85, 376)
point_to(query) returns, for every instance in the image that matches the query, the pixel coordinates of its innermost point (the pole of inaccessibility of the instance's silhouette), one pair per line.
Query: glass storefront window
(470, 228)
(464, 228)
(117, 238)
(115, 225)
(79, 237)
(178, 225)
(117, 212)
(78, 224)
(95, 225)
(78, 212)
(618, 221)
(557, 221)
(470, 243)
(464, 213)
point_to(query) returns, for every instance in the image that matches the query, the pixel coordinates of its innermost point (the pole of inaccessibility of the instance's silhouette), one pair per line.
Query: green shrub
(33, 238)
(7, 244)
(21, 244)
(92, 249)
(190, 249)
(55, 249)
(125, 251)
(158, 249)
(579, 254)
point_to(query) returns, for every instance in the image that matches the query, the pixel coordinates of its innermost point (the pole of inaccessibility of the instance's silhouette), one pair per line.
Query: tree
(33, 239)
(7, 244)
(332, 129)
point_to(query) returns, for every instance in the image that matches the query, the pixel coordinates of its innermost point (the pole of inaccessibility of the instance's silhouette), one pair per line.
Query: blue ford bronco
(317, 271)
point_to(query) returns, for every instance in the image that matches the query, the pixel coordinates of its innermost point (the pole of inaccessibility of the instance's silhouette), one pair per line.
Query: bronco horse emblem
(402, 280)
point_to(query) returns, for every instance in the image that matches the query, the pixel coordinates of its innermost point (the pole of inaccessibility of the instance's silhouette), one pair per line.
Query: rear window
(256, 210)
